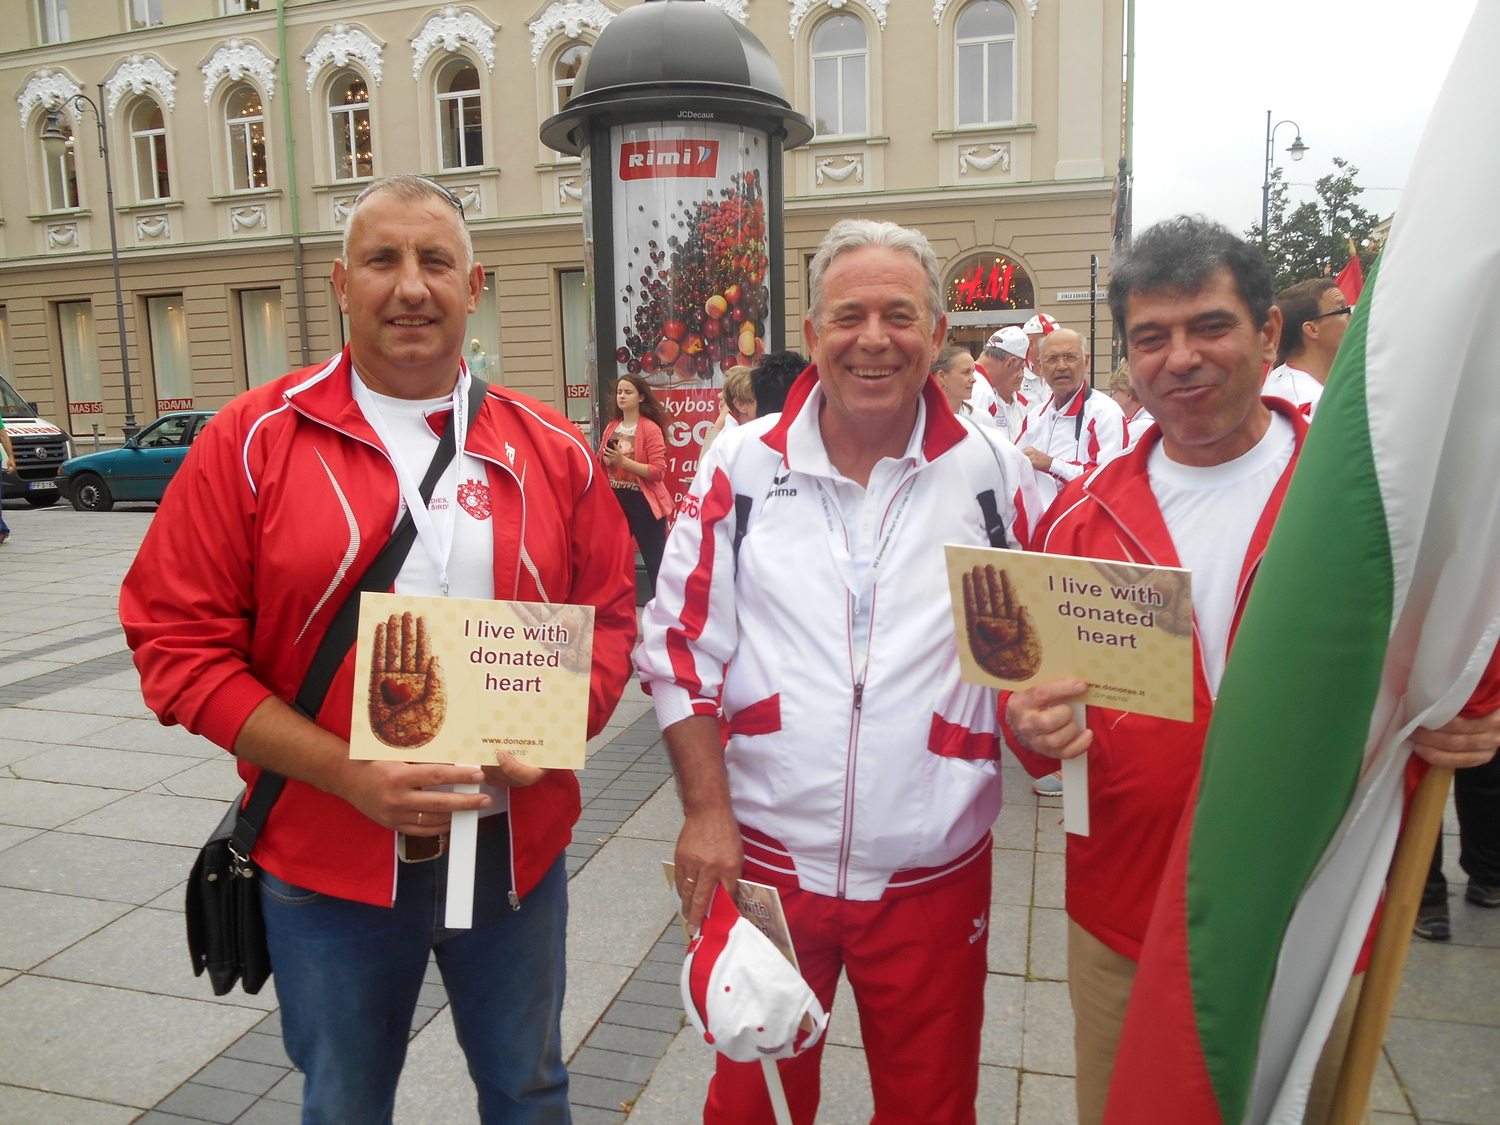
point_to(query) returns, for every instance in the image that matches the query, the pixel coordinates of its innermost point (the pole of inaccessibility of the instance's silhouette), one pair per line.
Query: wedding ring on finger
(419, 820)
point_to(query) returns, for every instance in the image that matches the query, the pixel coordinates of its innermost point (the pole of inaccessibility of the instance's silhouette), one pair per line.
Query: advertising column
(690, 267)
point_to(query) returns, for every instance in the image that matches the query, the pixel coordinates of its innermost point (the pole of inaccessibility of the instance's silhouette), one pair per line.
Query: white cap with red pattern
(1009, 339)
(742, 995)
(1041, 323)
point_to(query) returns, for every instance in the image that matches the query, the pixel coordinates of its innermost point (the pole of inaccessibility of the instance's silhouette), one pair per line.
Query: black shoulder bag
(226, 933)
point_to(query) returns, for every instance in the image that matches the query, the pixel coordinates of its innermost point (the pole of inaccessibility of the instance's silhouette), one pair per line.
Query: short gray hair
(855, 234)
(409, 189)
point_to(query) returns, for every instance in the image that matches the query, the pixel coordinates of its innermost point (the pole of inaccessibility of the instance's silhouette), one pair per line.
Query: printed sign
(640, 160)
(1024, 618)
(457, 679)
(690, 251)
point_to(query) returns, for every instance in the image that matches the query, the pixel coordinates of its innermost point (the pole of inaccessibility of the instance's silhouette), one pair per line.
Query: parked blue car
(139, 470)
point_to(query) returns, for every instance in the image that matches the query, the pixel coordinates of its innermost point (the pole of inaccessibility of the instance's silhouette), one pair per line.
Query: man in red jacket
(283, 502)
(1201, 490)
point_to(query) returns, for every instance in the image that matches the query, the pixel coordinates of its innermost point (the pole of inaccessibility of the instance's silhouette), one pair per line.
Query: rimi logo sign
(642, 160)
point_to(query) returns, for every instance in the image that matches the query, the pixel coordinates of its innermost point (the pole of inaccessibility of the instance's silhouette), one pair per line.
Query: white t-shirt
(982, 397)
(1211, 513)
(1296, 386)
(1010, 415)
(464, 485)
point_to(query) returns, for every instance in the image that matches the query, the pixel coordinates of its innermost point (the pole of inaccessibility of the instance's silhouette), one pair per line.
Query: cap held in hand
(742, 995)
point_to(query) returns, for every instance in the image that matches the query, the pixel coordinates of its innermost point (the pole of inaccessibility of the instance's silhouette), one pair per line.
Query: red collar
(942, 432)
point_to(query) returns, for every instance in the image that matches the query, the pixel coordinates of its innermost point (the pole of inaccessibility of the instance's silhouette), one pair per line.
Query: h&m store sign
(643, 160)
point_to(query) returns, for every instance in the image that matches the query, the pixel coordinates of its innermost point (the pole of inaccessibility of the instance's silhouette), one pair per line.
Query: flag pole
(1403, 895)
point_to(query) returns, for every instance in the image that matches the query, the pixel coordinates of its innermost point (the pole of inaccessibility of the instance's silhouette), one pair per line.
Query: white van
(40, 448)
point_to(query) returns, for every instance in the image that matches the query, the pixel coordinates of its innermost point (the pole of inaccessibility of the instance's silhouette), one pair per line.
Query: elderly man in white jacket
(802, 614)
(1075, 427)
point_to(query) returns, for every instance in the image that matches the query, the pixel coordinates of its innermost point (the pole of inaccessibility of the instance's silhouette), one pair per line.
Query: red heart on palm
(394, 693)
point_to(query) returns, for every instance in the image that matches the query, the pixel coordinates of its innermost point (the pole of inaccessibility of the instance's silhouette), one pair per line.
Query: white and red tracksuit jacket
(281, 504)
(1080, 436)
(860, 765)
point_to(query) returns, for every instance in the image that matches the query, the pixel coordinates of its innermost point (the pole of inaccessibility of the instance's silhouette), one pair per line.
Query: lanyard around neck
(436, 537)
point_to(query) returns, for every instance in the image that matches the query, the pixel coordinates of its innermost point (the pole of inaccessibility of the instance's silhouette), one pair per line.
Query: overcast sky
(1359, 78)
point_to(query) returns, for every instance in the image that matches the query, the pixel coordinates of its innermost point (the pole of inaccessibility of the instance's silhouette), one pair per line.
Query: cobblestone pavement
(101, 1020)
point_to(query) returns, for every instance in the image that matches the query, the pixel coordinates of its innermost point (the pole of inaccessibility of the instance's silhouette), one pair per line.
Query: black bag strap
(344, 630)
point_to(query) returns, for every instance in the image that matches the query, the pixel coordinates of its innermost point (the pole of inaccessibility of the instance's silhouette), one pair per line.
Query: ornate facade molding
(570, 18)
(234, 60)
(246, 218)
(470, 198)
(338, 46)
(800, 8)
(45, 88)
(138, 72)
(569, 191)
(62, 235)
(968, 157)
(448, 30)
(153, 226)
(938, 6)
(340, 208)
(855, 165)
(734, 9)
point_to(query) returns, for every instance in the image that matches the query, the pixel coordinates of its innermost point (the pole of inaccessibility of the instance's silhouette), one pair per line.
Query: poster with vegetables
(690, 267)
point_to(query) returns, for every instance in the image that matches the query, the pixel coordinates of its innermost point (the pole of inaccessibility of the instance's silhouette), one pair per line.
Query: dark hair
(1299, 304)
(650, 407)
(947, 356)
(1181, 254)
(772, 378)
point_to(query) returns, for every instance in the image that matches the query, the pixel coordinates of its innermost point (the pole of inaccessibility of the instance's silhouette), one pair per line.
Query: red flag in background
(1351, 279)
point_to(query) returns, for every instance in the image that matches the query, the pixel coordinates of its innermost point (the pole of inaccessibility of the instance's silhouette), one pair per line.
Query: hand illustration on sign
(1001, 636)
(407, 699)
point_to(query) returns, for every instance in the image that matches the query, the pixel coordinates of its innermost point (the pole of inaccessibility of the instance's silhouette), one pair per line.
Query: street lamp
(1296, 151)
(55, 136)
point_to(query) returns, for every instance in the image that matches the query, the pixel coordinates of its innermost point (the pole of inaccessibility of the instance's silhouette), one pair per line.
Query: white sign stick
(778, 1095)
(1075, 778)
(463, 841)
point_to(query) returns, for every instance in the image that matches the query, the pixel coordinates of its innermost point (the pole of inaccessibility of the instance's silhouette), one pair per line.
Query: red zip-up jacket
(1141, 769)
(283, 501)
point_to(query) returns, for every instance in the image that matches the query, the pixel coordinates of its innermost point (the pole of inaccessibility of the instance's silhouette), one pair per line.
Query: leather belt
(419, 849)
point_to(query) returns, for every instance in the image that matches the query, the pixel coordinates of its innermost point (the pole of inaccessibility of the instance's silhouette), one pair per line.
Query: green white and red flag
(1375, 610)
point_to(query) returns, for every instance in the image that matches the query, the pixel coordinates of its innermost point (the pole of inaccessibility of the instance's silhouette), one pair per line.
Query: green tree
(1312, 239)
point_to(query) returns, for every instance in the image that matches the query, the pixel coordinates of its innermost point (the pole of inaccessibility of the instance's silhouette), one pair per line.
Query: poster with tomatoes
(690, 257)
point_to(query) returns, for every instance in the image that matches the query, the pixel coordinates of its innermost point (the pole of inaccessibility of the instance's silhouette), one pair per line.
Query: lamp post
(55, 134)
(1295, 151)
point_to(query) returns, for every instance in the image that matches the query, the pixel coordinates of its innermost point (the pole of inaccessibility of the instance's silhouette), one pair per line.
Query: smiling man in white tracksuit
(803, 603)
(1075, 428)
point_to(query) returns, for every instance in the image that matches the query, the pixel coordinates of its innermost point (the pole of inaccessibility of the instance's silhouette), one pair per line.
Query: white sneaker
(1049, 786)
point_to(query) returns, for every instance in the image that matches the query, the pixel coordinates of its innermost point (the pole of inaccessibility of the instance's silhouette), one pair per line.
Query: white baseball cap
(741, 994)
(1009, 339)
(1041, 323)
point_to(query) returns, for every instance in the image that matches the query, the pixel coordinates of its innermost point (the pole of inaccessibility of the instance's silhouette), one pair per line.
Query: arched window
(247, 140)
(349, 119)
(460, 122)
(839, 67)
(59, 163)
(565, 73)
(148, 142)
(986, 43)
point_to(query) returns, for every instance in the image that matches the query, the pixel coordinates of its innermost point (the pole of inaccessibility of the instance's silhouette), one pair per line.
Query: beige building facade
(992, 125)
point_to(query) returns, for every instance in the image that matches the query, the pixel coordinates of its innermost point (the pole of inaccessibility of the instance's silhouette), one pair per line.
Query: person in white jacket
(1314, 317)
(1076, 427)
(801, 656)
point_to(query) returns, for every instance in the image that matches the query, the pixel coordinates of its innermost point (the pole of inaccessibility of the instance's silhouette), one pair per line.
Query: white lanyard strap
(436, 537)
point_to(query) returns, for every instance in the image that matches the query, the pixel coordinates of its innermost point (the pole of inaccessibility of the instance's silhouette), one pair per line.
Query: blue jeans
(348, 974)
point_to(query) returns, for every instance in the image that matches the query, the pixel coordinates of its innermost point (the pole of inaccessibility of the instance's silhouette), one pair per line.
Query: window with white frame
(349, 120)
(52, 20)
(60, 166)
(148, 142)
(840, 86)
(460, 121)
(565, 73)
(986, 64)
(146, 13)
(246, 122)
(233, 6)
(263, 322)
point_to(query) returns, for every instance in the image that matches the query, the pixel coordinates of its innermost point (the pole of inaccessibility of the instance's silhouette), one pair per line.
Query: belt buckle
(420, 849)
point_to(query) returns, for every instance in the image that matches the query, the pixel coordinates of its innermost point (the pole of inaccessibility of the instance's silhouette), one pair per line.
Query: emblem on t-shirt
(474, 498)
